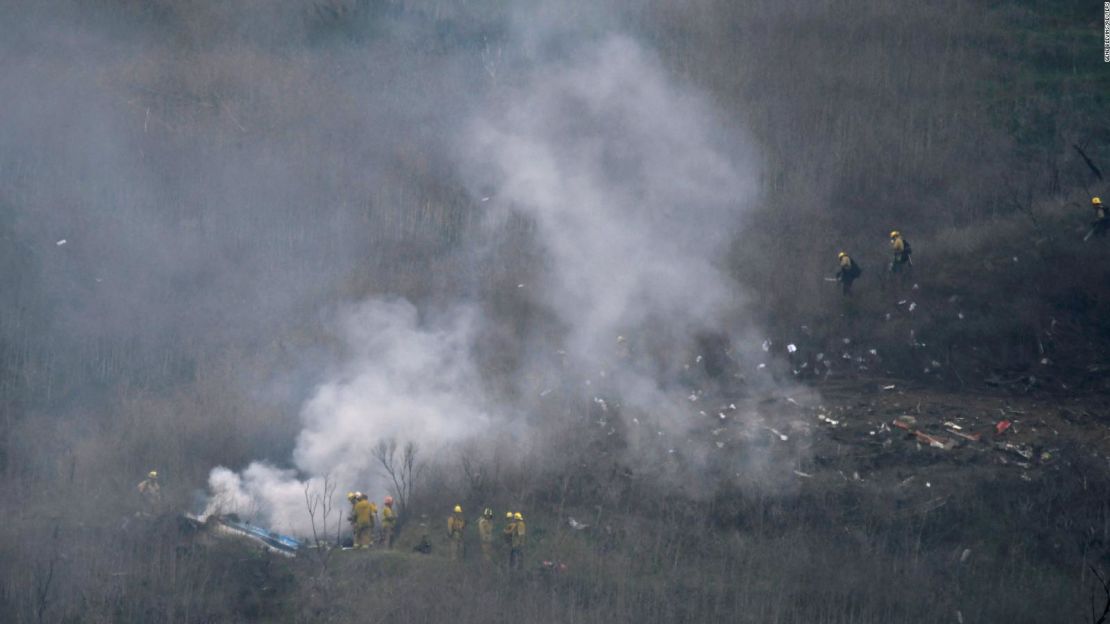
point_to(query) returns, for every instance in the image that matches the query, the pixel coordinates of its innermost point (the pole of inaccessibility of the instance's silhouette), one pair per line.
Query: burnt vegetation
(221, 172)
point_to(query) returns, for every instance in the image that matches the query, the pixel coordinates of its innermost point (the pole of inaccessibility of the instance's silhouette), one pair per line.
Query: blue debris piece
(277, 541)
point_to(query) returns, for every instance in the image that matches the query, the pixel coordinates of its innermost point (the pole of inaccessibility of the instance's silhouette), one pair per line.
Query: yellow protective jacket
(455, 526)
(507, 532)
(485, 529)
(388, 517)
(519, 531)
(362, 513)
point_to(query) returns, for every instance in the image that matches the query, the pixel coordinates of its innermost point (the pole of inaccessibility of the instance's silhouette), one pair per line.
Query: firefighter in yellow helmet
(364, 524)
(485, 534)
(900, 248)
(151, 492)
(1102, 221)
(848, 272)
(519, 537)
(389, 522)
(456, 524)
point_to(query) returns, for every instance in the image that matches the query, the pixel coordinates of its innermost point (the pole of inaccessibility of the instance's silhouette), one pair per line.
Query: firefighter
(456, 523)
(516, 553)
(900, 248)
(1102, 220)
(364, 523)
(848, 272)
(151, 492)
(485, 534)
(389, 522)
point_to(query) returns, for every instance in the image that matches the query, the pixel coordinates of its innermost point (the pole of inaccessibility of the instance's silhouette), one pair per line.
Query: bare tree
(320, 505)
(402, 470)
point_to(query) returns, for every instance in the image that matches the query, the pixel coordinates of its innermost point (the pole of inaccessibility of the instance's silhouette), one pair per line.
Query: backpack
(855, 270)
(906, 247)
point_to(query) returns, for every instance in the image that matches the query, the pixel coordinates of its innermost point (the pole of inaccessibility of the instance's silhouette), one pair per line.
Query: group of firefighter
(364, 514)
(363, 517)
(901, 261)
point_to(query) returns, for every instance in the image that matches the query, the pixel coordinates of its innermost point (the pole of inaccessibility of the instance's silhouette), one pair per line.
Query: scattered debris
(791, 348)
(1002, 426)
(890, 387)
(61, 242)
(906, 422)
(1023, 451)
(576, 525)
(804, 475)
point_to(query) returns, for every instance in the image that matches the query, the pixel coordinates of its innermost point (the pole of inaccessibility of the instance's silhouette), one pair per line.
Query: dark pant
(516, 558)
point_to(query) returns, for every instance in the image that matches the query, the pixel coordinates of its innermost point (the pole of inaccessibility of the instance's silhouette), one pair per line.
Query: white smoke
(634, 188)
(401, 379)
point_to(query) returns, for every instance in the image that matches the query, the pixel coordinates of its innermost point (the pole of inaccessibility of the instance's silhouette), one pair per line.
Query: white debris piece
(782, 436)
(697, 359)
(791, 400)
(803, 474)
(761, 366)
(913, 306)
(545, 392)
(952, 425)
(791, 348)
(520, 285)
(960, 316)
(720, 445)
(692, 397)
(820, 357)
(722, 415)
(890, 387)
(916, 287)
(61, 242)
(576, 525)
(873, 351)
(935, 364)
(847, 341)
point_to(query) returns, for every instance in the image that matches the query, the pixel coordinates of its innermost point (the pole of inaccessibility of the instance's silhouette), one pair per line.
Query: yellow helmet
(351, 496)
(1096, 201)
(153, 474)
(458, 508)
(895, 234)
(517, 516)
(841, 255)
(509, 515)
